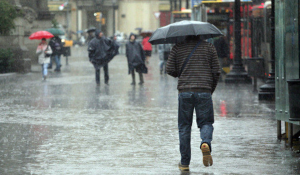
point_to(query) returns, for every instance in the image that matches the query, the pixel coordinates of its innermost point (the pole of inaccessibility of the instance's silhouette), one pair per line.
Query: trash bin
(294, 99)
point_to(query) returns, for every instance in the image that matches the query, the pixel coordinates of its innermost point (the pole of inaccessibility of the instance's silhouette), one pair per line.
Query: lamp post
(267, 91)
(238, 73)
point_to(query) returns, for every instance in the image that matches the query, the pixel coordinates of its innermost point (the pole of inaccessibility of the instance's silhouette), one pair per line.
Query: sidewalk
(68, 125)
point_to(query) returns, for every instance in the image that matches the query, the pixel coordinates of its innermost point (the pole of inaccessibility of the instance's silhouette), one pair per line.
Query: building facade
(79, 15)
(35, 16)
(116, 15)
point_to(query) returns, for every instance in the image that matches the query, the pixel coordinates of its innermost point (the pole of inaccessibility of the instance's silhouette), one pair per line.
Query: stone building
(35, 17)
(79, 15)
(117, 15)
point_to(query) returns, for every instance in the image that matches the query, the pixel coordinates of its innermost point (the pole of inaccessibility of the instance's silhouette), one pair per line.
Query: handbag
(46, 54)
(188, 58)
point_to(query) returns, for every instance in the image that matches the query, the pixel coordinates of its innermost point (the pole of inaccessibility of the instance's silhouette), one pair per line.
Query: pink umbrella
(40, 35)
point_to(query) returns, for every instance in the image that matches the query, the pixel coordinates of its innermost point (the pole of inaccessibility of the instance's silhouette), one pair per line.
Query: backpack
(57, 46)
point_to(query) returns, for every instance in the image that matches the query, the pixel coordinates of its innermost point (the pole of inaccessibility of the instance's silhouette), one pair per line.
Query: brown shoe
(207, 159)
(183, 167)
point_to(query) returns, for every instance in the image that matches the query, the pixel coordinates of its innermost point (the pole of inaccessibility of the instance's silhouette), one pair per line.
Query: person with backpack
(195, 63)
(56, 46)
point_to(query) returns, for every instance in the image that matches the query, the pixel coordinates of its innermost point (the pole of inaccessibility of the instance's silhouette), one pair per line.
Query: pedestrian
(44, 52)
(195, 63)
(116, 46)
(223, 52)
(56, 46)
(135, 58)
(163, 51)
(147, 47)
(90, 36)
(99, 49)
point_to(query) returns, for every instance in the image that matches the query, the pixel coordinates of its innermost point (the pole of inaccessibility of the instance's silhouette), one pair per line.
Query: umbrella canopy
(55, 31)
(93, 29)
(146, 33)
(40, 35)
(177, 32)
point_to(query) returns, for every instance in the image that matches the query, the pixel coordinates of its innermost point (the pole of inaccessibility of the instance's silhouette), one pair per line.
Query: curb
(7, 76)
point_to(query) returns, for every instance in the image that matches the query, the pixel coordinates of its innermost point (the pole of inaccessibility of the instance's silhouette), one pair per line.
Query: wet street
(68, 125)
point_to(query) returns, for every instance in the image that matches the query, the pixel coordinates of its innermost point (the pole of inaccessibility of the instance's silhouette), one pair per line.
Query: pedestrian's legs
(205, 116)
(97, 70)
(106, 75)
(161, 66)
(165, 63)
(57, 61)
(221, 67)
(185, 120)
(141, 78)
(50, 64)
(45, 70)
(133, 77)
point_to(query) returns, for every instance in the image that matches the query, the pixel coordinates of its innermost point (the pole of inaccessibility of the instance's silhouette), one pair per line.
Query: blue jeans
(202, 103)
(57, 62)
(45, 69)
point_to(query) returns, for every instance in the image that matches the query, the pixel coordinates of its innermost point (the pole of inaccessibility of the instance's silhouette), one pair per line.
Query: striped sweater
(201, 73)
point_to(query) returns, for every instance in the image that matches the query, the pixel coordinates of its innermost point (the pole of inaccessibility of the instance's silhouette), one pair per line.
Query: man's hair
(193, 37)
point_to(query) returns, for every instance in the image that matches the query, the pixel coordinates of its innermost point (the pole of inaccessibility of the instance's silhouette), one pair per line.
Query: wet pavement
(68, 125)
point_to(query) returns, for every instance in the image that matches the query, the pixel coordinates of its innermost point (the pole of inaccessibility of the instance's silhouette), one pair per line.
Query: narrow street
(68, 125)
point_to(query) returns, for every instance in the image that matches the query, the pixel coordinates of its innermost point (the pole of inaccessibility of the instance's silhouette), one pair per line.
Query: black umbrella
(93, 29)
(177, 32)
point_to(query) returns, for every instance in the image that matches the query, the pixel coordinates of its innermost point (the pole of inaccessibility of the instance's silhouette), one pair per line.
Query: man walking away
(136, 59)
(197, 80)
(98, 51)
(56, 46)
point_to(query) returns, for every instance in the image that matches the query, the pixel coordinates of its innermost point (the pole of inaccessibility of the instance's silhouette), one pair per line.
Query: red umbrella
(40, 35)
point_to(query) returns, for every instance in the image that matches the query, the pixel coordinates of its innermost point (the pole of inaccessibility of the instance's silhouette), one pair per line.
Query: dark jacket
(221, 47)
(135, 56)
(115, 50)
(99, 48)
(201, 73)
(56, 45)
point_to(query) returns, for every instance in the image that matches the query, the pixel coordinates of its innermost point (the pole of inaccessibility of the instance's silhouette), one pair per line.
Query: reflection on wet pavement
(68, 125)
